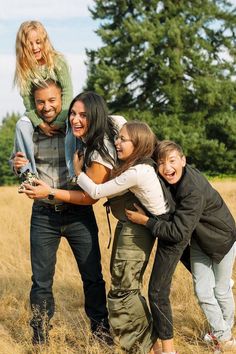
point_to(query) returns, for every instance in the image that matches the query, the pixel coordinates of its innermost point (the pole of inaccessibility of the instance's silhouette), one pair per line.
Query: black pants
(166, 259)
(78, 225)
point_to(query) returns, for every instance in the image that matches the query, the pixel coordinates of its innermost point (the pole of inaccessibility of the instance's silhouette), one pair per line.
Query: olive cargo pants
(129, 314)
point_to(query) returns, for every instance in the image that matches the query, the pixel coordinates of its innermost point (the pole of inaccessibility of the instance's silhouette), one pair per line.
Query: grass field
(70, 333)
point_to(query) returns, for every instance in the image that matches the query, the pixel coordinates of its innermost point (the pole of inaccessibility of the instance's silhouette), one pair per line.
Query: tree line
(170, 63)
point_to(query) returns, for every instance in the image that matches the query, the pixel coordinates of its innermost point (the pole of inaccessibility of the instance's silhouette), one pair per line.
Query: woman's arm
(97, 172)
(117, 185)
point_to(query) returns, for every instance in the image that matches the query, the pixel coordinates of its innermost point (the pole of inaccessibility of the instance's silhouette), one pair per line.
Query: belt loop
(108, 210)
(59, 207)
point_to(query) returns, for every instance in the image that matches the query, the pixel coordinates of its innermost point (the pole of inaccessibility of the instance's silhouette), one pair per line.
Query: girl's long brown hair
(26, 64)
(144, 142)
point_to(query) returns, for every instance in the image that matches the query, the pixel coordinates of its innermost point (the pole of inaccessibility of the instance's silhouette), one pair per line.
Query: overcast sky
(70, 28)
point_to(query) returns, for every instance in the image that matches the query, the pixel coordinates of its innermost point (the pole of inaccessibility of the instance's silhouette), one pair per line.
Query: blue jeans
(78, 225)
(213, 289)
(24, 143)
(71, 145)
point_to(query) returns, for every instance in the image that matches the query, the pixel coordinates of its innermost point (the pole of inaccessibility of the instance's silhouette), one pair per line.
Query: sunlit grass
(70, 333)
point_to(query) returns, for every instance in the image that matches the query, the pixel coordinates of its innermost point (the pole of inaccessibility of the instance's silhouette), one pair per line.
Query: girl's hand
(48, 130)
(138, 217)
(40, 191)
(78, 162)
(19, 160)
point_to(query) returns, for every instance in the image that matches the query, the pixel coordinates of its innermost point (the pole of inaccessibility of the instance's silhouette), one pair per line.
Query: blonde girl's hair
(26, 65)
(144, 142)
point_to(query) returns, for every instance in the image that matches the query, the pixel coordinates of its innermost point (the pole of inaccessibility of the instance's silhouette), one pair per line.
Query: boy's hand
(48, 130)
(78, 162)
(138, 217)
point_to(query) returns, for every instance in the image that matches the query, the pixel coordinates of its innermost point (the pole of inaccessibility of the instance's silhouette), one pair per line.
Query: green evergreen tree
(7, 131)
(166, 56)
(175, 59)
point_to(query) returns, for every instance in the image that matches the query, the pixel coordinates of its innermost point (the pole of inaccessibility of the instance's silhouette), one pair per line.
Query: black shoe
(40, 337)
(40, 333)
(104, 336)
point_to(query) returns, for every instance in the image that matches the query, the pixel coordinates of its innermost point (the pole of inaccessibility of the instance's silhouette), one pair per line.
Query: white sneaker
(210, 338)
(217, 351)
(229, 344)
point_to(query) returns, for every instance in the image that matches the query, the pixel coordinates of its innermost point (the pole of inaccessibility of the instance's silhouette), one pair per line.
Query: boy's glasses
(121, 138)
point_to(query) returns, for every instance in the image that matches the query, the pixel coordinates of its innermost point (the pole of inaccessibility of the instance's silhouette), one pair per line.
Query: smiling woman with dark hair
(96, 129)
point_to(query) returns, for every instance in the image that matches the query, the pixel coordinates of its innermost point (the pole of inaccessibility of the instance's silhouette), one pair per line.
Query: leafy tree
(7, 130)
(173, 64)
(166, 56)
(210, 147)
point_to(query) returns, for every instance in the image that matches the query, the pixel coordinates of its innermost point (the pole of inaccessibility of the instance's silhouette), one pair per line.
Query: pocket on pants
(130, 319)
(127, 270)
(128, 307)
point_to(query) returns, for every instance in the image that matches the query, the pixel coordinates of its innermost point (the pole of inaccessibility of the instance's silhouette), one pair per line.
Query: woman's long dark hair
(99, 125)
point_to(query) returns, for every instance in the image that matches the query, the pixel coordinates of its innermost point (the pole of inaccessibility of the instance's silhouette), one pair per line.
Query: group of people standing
(152, 191)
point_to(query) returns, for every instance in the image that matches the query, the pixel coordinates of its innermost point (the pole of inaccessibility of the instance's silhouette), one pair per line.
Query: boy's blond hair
(164, 148)
(27, 68)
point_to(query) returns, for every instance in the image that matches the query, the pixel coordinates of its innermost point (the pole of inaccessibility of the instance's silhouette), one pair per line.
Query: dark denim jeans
(78, 225)
(166, 259)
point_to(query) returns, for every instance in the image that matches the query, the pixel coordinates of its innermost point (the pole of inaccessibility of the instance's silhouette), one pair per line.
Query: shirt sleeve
(118, 121)
(64, 78)
(115, 186)
(184, 220)
(96, 156)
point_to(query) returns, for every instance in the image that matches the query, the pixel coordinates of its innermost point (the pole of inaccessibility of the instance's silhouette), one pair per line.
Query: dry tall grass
(70, 333)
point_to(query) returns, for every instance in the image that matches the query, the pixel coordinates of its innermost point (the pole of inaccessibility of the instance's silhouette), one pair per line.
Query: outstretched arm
(99, 173)
(116, 185)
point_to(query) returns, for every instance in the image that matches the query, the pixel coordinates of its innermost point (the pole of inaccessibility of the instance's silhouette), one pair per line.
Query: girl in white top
(134, 170)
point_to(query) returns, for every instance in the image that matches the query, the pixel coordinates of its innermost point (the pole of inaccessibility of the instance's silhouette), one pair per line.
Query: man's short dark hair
(44, 84)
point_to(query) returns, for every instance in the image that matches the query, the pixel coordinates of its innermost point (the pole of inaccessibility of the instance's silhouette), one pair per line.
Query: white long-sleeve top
(140, 179)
